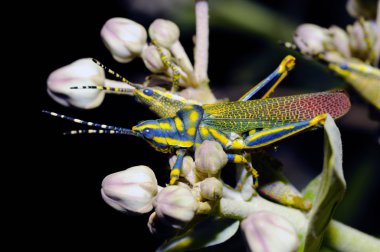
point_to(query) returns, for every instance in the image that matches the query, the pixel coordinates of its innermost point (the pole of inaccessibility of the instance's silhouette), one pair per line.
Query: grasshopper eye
(148, 91)
(148, 133)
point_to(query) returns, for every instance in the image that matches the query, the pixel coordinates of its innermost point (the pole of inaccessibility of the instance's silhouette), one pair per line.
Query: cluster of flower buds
(126, 40)
(358, 43)
(135, 190)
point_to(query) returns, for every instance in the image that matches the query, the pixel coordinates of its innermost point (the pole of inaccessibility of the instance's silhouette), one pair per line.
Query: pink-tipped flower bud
(340, 40)
(210, 158)
(211, 189)
(175, 206)
(132, 190)
(83, 72)
(124, 38)
(311, 38)
(268, 232)
(164, 32)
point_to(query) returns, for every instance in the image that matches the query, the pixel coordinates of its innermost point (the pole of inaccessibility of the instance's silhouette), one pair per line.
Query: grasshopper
(238, 126)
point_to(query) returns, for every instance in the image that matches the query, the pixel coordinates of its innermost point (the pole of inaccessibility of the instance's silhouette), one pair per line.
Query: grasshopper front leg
(176, 170)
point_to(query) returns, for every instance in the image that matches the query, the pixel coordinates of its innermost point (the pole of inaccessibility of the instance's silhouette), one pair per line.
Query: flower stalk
(202, 42)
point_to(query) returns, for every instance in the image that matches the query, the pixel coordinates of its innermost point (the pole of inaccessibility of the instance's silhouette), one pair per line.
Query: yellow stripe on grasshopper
(239, 159)
(191, 131)
(173, 142)
(178, 124)
(166, 126)
(218, 136)
(142, 127)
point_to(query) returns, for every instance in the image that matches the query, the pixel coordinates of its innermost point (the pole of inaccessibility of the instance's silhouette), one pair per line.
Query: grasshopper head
(151, 131)
(163, 103)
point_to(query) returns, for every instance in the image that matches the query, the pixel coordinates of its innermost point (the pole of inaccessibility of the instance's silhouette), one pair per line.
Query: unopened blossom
(211, 189)
(132, 190)
(124, 38)
(175, 206)
(164, 32)
(311, 38)
(268, 232)
(83, 72)
(340, 40)
(210, 158)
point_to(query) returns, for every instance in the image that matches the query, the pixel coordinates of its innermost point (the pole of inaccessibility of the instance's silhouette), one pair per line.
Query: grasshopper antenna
(106, 88)
(94, 131)
(124, 131)
(113, 73)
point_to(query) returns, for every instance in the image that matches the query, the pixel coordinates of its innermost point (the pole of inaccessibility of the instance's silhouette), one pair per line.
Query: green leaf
(331, 188)
(311, 190)
(207, 233)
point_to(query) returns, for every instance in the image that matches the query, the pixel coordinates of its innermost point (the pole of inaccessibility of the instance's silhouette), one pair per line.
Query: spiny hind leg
(271, 135)
(251, 171)
(265, 87)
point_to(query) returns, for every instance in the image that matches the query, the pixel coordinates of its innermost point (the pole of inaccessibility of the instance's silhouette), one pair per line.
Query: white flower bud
(210, 158)
(164, 32)
(83, 72)
(340, 40)
(211, 189)
(175, 206)
(311, 38)
(132, 190)
(124, 38)
(152, 59)
(265, 231)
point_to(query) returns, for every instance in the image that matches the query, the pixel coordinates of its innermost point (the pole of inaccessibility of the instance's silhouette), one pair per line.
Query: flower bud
(210, 158)
(132, 190)
(360, 35)
(265, 231)
(164, 32)
(152, 59)
(311, 38)
(124, 38)
(211, 189)
(82, 72)
(340, 41)
(175, 206)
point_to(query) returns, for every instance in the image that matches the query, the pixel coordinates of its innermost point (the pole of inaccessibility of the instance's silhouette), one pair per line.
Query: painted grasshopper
(238, 126)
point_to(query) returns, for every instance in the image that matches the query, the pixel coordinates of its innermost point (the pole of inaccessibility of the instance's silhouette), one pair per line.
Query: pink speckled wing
(277, 111)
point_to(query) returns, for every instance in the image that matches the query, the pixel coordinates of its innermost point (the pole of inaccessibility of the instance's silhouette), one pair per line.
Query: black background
(68, 202)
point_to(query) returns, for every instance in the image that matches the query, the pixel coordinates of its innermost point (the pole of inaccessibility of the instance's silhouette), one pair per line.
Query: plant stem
(201, 43)
(239, 209)
(341, 237)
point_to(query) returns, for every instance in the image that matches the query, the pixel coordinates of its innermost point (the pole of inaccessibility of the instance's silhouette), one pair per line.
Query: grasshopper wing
(242, 116)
